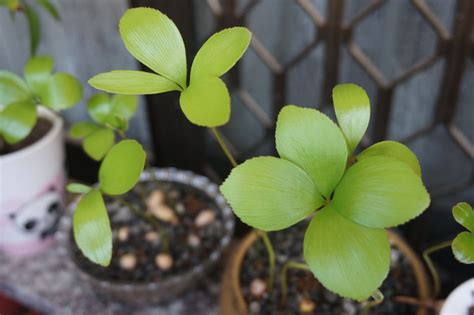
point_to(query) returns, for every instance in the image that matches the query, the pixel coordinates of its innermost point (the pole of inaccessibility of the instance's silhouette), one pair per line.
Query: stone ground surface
(48, 284)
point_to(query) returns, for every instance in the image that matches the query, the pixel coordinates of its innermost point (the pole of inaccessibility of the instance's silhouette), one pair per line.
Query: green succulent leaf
(123, 105)
(17, 120)
(98, 107)
(37, 72)
(352, 107)
(61, 91)
(132, 82)
(12, 88)
(98, 143)
(34, 27)
(152, 38)
(206, 102)
(121, 168)
(78, 188)
(463, 247)
(91, 227)
(312, 141)
(220, 52)
(270, 193)
(112, 111)
(347, 258)
(50, 8)
(380, 192)
(82, 129)
(395, 150)
(464, 215)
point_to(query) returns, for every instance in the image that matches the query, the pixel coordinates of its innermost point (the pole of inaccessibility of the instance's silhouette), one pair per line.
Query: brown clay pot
(232, 301)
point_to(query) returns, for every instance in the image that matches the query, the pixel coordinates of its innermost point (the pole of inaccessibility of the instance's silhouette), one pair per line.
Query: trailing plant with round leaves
(110, 114)
(34, 26)
(351, 199)
(463, 244)
(154, 40)
(40, 86)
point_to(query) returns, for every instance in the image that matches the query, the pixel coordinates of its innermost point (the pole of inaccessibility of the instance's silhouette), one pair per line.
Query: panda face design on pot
(38, 218)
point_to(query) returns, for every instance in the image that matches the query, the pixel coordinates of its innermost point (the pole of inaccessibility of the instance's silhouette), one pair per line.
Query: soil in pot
(41, 128)
(173, 228)
(305, 294)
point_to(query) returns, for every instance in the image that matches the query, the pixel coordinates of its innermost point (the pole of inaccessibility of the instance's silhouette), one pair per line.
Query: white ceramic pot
(32, 191)
(460, 300)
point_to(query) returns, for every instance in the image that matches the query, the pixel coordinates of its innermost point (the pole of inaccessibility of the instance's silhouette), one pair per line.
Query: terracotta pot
(232, 301)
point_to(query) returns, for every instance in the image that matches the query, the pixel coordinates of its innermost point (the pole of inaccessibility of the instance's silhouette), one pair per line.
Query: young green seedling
(15, 6)
(351, 199)
(40, 87)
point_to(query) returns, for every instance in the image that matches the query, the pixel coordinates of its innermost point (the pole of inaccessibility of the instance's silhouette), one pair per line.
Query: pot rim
(50, 136)
(234, 266)
(189, 178)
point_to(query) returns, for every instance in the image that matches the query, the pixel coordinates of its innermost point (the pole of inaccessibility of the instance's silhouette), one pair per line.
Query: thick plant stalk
(283, 277)
(378, 298)
(262, 234)
(434, 273)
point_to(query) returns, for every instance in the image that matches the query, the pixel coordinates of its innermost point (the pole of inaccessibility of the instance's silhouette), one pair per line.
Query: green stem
(283, 277)
(271, 258)
(434, 273)
(378, 298)
(223, 146)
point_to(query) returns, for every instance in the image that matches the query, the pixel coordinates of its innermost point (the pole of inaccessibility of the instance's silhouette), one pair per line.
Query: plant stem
(434, 273)
(271, 258)
(378, 298)
(223, 146)
(283, 277)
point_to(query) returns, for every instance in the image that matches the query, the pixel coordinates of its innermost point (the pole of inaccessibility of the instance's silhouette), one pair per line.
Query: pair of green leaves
(56, 91)
(345, 244)
(153, 39)
(34, 24)
(463, 244)
(109, 114)
(119, 172)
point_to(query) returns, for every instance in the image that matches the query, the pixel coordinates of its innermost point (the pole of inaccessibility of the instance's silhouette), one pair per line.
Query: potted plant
(177, 223)
(32, 153)
(342, 201)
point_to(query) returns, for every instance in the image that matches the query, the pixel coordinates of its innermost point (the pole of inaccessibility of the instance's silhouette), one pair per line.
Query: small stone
(254, 307)
(128, 261)
(164, 261)
(258, 287)
(123, 233)
(194, 240)
(164, 213)
(349, 307)
(152, 237)
(204, 218)
(306, 306)
(156, 198)
(180, 209)
(395, 256)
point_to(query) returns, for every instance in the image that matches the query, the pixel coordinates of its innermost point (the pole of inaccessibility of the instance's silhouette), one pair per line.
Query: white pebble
(164, 261)
(306, 306)
(152, 237)
(204, 218)
(194, 240)
(128, 261)
(164, 213)
(180, 208)
(123, 234)
(156, 198)
(258, 287)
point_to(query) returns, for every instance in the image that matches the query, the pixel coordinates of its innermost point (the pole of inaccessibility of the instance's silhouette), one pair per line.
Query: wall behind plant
(85, 42)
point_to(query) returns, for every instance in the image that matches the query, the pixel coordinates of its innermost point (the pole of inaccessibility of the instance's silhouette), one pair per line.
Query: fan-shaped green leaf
(463, 247)
(121, 167)
(78, 188)
(82, 129)
(132, 82)
(34, 26)
(152, 38)
(395, 150)
(464, 215)
(37, 72)
(380, 192)
(98, 143)
(17, 120)
(12, 88)
(352, 107)
(123, 106)
(62, 91)
(270, 193)
(312, 141)
(98, 107)
(347, 258)
(91, 227)
(220, 52)
(206, 102)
